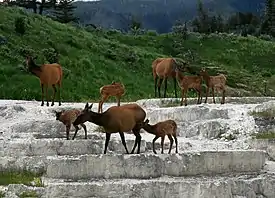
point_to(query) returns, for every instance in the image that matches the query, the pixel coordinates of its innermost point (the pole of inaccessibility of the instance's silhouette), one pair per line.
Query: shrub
(20, 25)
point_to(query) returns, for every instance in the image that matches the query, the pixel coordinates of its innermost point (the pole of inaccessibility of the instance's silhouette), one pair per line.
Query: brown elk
(164, 68)
(116, 119)
(214, 82)
(49, 75)
(187, 82)
(115, 89)
(67, 117)
(161, 129)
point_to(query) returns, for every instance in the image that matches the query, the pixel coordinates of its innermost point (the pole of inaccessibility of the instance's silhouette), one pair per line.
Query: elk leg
(159, 85)
(76, 130)
(154, 140)
(199, 96)
(182, 95)
(207, 92)
(123, 141)
(108, 135)
(213, 95)
(156, 80)
(175, 87)
(162, 144)
(68, 127)
(47, 95)
(85, 129)
(54, 92)
(165, 87)
(103, 99)
(118, 100)
(223, 96)
(42, 95)
(137, 140)
(171, 143)
(185, 97)
(59, 89)
(176, 141)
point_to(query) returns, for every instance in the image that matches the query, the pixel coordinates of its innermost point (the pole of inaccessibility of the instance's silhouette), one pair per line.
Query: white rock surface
(31, 139)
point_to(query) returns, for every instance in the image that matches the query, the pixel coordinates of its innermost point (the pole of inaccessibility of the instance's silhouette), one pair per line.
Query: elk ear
(90, 107)
(86, 106)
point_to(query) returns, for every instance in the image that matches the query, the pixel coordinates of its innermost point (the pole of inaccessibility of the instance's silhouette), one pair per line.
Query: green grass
(96, 57)
(264, 135)
(2, 194)
(30, 193)
(14, 177)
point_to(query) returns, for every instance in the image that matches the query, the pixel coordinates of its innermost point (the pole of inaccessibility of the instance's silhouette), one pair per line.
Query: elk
(114, 89)
(187, 82)
(67, 117)
(214, 82)
(116, 119)
(49, 75)
(161, 129)
(162, 69)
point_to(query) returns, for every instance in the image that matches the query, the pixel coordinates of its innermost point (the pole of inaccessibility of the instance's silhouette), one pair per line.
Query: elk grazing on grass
(67, 117)
(49, 75)
(161, 129)
(214, 82)
(116, 119)
(162, 69)
(187, 82)
(115, 89)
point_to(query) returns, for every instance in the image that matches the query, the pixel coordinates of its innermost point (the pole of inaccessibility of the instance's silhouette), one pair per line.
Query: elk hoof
(52, 104)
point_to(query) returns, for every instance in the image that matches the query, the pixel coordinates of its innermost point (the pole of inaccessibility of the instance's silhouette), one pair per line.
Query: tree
(270, 16)
(64, 11)
(202, 22)
(33, 4)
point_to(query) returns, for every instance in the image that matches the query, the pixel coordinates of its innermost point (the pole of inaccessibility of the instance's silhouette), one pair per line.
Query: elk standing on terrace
(116, 119)
(187, 82)
(214, 82)
(162, 69)
(49, 75)
(161, 129)
(67, 117)
(115, 89)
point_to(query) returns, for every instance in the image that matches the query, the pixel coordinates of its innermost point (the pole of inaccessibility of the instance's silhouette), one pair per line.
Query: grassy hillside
(94, 58)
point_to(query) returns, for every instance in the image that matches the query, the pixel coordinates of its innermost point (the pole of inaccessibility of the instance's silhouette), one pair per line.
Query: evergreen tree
(64, 11)
(202, 22)
(270, 16)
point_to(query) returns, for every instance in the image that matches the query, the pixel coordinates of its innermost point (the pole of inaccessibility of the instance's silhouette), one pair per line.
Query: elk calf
(49, 75)
(117, 119)
(115, 89)
(67, 117)
(161, 129)
(187, 82)
(214, 82)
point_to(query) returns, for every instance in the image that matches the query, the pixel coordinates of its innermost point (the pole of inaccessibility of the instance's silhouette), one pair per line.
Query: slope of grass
(93, 58)
(23, 177)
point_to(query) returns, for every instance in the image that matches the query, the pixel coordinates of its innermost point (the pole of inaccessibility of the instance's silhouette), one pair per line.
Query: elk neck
(35, 69)
(149, 128)
(97, 118)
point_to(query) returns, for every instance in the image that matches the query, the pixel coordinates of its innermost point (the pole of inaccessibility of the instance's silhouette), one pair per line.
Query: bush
(20, 25)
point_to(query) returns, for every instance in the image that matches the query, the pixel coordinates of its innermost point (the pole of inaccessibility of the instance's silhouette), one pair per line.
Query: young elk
(214, 82)
(115, 89)
(187, 82)
(161, 129)
(67, 117)
(162, 69)
(116, 119)
(49, 75)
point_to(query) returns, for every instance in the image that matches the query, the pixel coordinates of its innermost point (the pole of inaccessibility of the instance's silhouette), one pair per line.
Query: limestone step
(145, 166)
(51, 147)
(251, 186)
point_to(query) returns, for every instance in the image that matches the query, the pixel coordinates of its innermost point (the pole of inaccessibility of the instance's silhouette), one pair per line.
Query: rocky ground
(217, 155)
